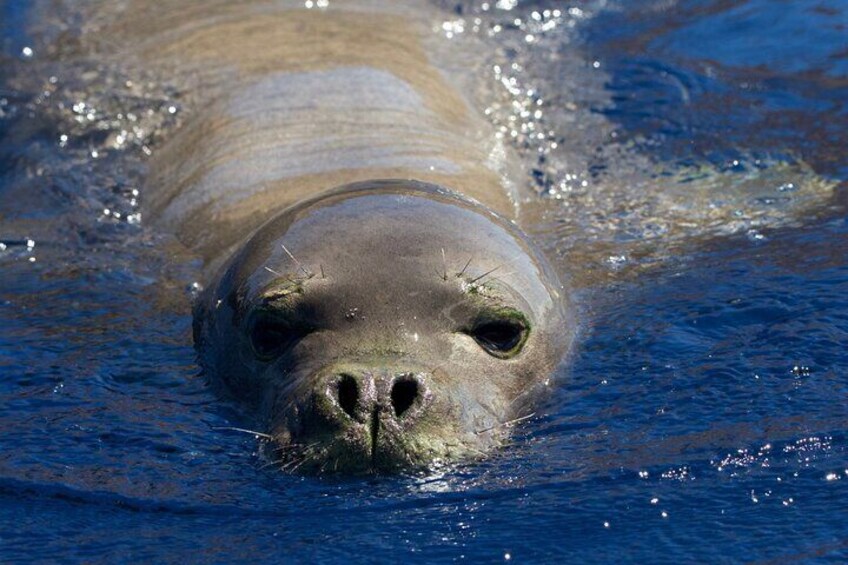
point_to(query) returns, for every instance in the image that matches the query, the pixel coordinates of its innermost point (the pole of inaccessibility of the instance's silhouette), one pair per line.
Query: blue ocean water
(703, 417)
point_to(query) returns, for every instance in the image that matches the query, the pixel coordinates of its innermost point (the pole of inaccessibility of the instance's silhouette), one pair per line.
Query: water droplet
(616, 260)
(195, 288)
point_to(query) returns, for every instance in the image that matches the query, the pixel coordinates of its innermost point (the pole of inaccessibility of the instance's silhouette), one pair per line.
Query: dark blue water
(704, 416)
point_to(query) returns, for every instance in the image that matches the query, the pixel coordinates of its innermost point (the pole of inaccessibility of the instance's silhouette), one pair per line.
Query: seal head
(384, 325)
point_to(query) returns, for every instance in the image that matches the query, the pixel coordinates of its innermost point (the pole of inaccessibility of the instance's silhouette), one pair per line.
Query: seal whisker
(310, 452)
(306, 458)
(510, 261)
(273, 272)
(506, 424)
(292, 446)
(467, 263)
(489, 272)
(444, 265)
(295, 462)
(290, 456)
(271, 463)
(292, 469)
(297, 263)
(244, 430)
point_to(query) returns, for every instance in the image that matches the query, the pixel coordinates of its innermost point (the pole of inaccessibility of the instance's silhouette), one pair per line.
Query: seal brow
(280, 292)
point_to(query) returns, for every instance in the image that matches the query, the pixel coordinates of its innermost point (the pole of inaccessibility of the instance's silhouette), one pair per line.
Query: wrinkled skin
(382, 326)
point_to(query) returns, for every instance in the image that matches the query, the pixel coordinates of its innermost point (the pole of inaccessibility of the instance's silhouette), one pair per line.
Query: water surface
(694, 148)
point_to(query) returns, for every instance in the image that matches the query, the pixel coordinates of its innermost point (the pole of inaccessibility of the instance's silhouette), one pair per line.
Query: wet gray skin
(384, 325)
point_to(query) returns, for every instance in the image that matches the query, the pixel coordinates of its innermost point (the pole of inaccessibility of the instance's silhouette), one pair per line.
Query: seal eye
(501, 338)
(271, 336)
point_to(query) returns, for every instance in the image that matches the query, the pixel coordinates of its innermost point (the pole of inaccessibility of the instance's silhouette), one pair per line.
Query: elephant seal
(373, 324)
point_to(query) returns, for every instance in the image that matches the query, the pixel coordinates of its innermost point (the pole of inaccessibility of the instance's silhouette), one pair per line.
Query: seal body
(293, 101)
(372, 324)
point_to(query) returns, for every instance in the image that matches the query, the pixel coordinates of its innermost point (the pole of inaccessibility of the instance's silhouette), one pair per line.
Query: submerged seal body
(372, 324)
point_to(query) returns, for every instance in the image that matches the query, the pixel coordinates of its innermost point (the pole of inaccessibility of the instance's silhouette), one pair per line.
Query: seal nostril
(404, 393)
(348, 394)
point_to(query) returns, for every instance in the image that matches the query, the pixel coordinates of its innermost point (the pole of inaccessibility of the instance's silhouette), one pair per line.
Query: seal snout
(407, 391)
(372, 415)
(345, 392)
(365, 396)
